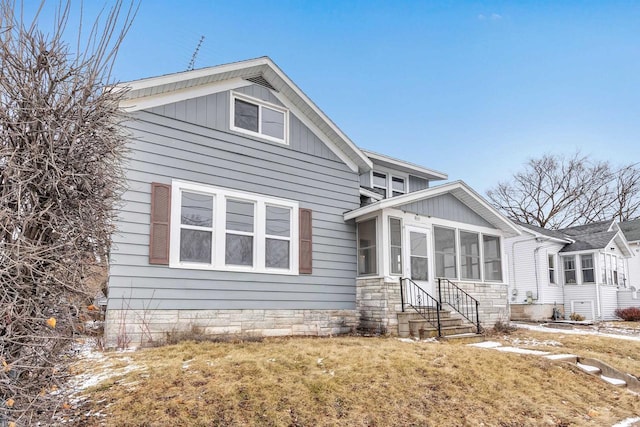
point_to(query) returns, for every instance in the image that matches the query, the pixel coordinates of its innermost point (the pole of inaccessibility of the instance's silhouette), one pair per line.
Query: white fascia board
(408, 167)
(192, 75)
(357, 151)
(145, 102)
(433, 192)
(544, 236)
(622, 243)
(369, 193)
(317, 132)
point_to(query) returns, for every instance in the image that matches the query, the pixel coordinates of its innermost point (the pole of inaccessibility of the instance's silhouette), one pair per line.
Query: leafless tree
(60, 152)
(556, 192)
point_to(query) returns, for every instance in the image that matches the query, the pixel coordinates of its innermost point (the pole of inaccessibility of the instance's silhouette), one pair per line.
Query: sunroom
(593, 272)
(444, 232)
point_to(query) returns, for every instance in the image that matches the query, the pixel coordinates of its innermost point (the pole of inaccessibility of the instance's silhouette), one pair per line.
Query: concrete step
(468, 338)
(593, 370)
(443, 322)
(446, 331)
(572, 358)
(614, 381)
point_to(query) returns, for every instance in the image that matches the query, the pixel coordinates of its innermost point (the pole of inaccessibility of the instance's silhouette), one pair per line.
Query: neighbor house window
(367, 247)
(380, 183)
(395, 245)
(445, 252)
(614, 260)
(552, 268)
(586, 264)
(398, 186)
(492, 258)
(603, 267)
(569, 264)
(260, 118)
(219, 229)
(469, 255)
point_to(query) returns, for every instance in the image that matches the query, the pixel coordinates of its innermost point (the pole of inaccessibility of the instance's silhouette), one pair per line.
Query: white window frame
(592, 268)
(220, 196)
(386, 182)
(375, 247)
(391, 261)
(260, 104)
(552, 268)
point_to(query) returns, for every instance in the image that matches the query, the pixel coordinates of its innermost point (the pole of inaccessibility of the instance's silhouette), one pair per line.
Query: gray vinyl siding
(191, 148)
(213, 111)
(365, 179)
(448, 207)
(417, 183)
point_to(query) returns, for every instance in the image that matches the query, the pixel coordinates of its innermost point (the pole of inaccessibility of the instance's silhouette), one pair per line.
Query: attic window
(258, 118)
(259, 80)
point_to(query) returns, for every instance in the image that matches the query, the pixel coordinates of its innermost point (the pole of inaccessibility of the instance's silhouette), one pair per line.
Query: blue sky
(472, 89)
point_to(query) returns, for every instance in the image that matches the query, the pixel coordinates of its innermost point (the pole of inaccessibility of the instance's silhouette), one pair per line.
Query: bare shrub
(631, 314)
(60, 152)
(576, 317)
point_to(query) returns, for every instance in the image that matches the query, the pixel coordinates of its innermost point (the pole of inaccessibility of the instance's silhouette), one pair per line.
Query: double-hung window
(398, 186)
(569, 264)
(586, 264)
(552, 268)
(256, 117)
(379, 183)
(220, 229)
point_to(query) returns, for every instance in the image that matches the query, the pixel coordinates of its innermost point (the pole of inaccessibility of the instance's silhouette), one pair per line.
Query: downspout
(535, 267)
(598, 283)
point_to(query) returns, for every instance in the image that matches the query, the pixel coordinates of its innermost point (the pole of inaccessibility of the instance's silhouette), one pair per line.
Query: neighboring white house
(588, 270)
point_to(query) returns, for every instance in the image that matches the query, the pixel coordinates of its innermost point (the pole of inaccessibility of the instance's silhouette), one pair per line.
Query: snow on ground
(579, 331)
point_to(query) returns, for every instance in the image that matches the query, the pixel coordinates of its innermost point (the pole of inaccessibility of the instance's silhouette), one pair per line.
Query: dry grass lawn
(354, 381)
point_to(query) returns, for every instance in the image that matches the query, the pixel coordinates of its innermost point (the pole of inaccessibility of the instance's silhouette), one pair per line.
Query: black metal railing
(413, 296)
(460, 301)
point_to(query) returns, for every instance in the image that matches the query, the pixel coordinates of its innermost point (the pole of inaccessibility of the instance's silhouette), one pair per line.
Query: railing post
(402, 293)
(477, 317)
(439, 291)
(438, 317)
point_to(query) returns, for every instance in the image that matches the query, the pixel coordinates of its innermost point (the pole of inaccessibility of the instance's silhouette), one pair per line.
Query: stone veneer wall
(143, 327)
(493, 301)
(378, 304)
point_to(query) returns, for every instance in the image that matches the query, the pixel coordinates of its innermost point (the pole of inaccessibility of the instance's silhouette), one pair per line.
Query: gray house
(248, 211)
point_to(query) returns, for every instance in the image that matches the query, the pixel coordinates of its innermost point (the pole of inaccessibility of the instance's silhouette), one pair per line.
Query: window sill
(236, 269)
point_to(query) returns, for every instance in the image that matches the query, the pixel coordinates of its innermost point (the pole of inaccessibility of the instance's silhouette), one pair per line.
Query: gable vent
(259, 80)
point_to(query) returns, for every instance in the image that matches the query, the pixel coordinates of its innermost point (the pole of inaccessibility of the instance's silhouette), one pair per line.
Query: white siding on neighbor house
(529, 272)
(633, 265)
(197, 146)
(627, 298)
(608, 302)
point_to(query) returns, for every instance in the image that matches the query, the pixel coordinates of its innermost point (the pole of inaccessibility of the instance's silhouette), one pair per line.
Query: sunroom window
(398, 186)
(260, 118)
(445, 252)
(492, 258)
(395, 245)
(469, 255)
(367, 247)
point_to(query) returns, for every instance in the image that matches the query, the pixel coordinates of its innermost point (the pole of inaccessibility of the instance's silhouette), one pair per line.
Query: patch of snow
(521, 351)
(629, 422)
(411, 340)
(486, 344)
(574, 331)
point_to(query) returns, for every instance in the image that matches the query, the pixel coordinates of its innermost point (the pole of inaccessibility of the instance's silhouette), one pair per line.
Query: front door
(416, 265)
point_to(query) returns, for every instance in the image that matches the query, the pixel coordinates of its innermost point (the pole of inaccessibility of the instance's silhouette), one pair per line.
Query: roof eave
(407, 167)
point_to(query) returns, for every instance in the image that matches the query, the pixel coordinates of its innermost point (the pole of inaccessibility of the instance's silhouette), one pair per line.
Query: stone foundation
(493, 301)
(378, 304)
(137, 328)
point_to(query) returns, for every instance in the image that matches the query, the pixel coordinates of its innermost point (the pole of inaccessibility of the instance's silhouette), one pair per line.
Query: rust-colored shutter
(160, 216)
(305, 261)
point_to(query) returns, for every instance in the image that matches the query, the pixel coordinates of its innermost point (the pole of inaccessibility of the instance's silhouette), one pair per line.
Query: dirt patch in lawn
(346, 381)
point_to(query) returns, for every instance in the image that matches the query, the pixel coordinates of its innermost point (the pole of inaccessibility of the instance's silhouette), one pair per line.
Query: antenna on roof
(195, 54)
